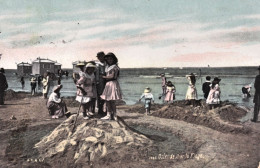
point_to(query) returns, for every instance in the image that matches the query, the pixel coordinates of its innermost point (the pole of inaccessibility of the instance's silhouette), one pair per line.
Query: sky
(141, 33)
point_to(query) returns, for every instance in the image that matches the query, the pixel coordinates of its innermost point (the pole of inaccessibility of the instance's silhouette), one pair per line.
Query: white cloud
(15, 16)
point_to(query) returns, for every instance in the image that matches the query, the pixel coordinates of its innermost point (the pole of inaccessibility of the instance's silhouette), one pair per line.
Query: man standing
(206, 87)
(100, 82)
(257, 96)
(3, 85)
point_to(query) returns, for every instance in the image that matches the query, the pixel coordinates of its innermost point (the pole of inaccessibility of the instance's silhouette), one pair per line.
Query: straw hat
(57, 87)
(80, 63)
(90, 65)
(147, 90)
(33, 79)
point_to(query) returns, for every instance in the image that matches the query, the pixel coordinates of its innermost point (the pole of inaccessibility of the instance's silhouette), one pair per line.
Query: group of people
(33, 82)
(211, 90)
(96, 83)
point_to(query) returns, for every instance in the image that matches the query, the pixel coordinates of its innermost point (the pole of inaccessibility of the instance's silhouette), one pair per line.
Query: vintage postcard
(117, 83)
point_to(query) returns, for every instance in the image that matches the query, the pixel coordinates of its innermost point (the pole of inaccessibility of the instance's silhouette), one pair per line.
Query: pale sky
(141, 33)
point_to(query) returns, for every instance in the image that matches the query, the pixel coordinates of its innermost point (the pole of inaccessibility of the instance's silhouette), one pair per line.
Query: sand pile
(224, 119)
(10, 94)
(92, 140)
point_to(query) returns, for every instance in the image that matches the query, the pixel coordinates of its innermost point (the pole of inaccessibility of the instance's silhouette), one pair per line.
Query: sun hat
(57, 87)
(147, 90)
(100, 54)
(90, 65)
(81, 63)
(113, 56)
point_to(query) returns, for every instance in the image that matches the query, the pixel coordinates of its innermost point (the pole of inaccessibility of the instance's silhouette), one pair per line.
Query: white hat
(57, 87)
(147, 90)
(90, 65)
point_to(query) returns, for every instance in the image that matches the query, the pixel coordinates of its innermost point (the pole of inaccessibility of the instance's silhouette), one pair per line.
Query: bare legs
(111, 110)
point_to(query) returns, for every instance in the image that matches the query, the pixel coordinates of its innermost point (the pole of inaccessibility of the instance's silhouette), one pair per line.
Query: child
(246, 91)
(206, 87)
(214, 95)
(164, 81)
(33, 85)
(112, 91)
(86, 90)
(191, 94)
(148, 97)
(170, 92)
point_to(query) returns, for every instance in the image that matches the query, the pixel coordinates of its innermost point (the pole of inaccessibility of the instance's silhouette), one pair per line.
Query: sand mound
(92, 140)
(224, 119)
(10, 94)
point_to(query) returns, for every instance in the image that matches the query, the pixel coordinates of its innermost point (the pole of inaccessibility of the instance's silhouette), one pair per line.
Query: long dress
(87, 83)
(170, 94)
(56, 106)
(192, 91)
(45, 85)
(214, 95)
(112, 89)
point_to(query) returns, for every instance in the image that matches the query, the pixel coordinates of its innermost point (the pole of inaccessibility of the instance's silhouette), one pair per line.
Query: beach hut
(42, 65)
(24, 68)
(57, 66)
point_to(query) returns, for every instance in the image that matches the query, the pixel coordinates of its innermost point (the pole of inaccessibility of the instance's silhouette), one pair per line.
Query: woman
(170, 92)
(191, 94)
(112, 90)
(87, 90)
(57, 108)
(214, 95)
(45, 85)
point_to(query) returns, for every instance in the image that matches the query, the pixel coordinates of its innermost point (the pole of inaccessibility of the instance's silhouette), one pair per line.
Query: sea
(134, 80)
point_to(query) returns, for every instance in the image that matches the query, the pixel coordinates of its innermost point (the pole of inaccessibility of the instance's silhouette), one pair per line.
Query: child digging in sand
(148, 97)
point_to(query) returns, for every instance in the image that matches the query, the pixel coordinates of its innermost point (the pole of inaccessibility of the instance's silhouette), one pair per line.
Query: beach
(174, 135)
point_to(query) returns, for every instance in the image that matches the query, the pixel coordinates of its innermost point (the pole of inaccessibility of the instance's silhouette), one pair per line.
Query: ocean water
(133, 82)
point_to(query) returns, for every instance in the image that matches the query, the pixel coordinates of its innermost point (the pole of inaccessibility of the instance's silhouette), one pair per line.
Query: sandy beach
(174, 135)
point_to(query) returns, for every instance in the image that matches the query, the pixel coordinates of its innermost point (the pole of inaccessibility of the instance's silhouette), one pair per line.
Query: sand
(176, 135)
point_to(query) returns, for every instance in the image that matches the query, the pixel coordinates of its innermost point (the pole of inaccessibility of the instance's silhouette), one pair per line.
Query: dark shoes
(253, 120)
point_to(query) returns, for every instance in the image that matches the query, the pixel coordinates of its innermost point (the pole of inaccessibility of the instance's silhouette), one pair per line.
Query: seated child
(148, 98)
